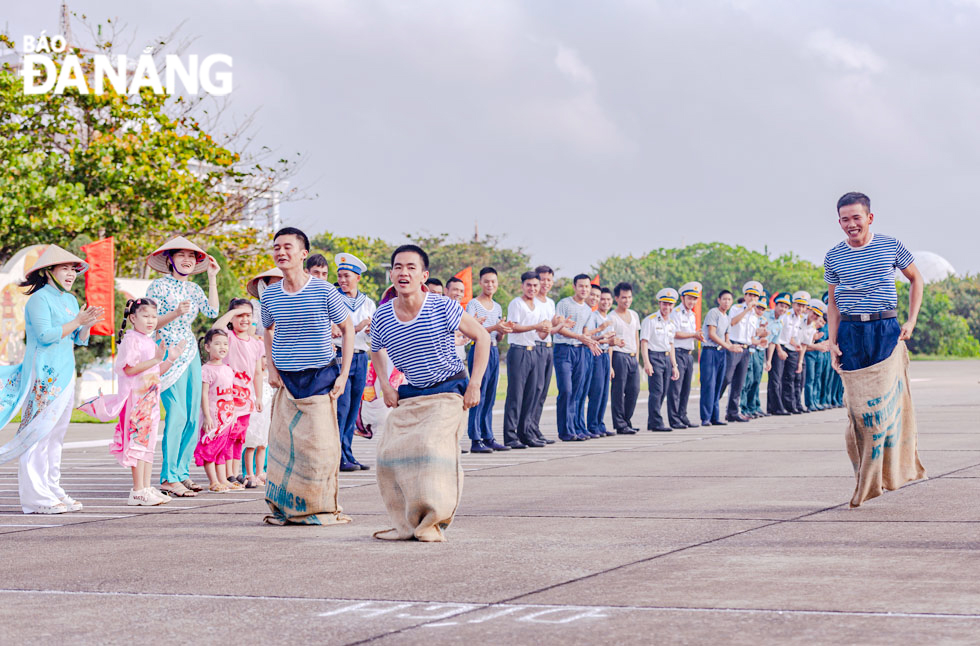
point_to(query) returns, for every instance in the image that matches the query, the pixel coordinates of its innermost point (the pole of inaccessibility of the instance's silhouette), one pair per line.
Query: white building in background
(932, 266)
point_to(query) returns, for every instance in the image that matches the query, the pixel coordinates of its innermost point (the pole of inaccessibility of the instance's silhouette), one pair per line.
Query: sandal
(177, 490)
(190, 484)
(235, 486)
(218, 488)
(250, 482)
(71, 503)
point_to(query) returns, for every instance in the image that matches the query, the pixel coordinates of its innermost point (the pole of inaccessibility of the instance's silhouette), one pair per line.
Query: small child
(257, 436)
(139, 363)
(218, 414)
(245, 352)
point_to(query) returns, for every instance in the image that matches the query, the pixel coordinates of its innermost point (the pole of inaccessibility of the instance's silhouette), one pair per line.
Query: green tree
(715, 265)
(374, 252)
(939, 329)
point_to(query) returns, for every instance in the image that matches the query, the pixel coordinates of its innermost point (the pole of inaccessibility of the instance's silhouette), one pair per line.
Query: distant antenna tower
(66, 24)
(476, 231)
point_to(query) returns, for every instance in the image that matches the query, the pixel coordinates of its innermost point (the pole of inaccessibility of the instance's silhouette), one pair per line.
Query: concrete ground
(737, 535)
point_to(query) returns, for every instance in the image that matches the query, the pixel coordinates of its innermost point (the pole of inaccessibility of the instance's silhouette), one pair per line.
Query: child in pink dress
(139, 363)
(218, 413)
(245, 352)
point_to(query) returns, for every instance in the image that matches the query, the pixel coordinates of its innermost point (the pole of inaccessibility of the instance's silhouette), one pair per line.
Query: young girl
(245, 352)
(139, 363)
(218, 413)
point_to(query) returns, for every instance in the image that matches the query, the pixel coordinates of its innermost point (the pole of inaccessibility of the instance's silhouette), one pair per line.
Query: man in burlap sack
(867, 348)
(304, 443)
(419, 472)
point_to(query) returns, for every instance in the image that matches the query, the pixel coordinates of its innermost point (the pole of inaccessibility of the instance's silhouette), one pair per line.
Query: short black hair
(293, 231)
(434, 282)
(316, 260)
(854, 197)
(452, 280)
(487, 270)
(605, 290)
(411, 248)
(594, 286)
(543, 269)
(579, 277)
(528, 275)
(622, 287)
(725, 291)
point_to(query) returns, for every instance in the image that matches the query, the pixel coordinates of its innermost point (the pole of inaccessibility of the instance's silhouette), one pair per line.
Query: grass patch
(77, 417)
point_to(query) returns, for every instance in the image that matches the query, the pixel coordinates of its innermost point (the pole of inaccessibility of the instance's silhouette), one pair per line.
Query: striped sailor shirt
(493, 315)
(578, 313)
(302, 338)
(424, 349)
(865, 276)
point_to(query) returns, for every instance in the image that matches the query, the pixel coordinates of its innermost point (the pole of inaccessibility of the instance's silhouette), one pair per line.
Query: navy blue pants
(864, 344)
(598, 393)
(309, 382)
(569, 375)
(480, 423)
(582, 393)
(349, 404)
(714, 362)
(455, 385)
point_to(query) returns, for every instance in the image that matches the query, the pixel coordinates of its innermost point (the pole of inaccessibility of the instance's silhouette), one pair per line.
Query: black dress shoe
(737, 418)
(349, 466)
(496, 446)
(362, 467)
(625, 431)
(719, 423)
(691, 424)
(477, 446)
(780, 412)
(534, 444)
(678, 427)
(547, 440)
(660, 429)
(516, 445)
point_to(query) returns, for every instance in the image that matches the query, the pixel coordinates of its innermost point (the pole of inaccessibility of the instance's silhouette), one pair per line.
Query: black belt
(542, 344)
(864, 318)
(526, 347)
(684, 350)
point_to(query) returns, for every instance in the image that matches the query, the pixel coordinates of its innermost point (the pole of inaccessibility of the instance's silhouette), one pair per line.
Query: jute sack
(881, 432)
(304, 460)
(419, 472)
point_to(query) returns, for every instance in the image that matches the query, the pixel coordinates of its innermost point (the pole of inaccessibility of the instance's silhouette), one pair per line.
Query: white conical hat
(253, 285)
(159, 260)
(54, 255)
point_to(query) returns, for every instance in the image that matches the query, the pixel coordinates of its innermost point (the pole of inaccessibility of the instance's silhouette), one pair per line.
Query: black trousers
(657, 386)
(679, 392)
(625, 389)
(545, 363)
(738, 366)
(774, 392)
(522, 388)
(792, 381)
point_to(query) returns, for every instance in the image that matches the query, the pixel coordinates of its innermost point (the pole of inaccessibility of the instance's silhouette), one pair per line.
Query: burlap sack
(881, 432)
(304, 460)
(419, 472)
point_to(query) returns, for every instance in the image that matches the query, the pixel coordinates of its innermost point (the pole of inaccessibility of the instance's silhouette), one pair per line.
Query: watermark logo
(210, 74)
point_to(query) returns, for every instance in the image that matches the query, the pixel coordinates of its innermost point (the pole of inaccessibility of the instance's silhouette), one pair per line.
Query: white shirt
(807, 332)
(519, 313)
(745, 330)
(684, 321)
(362, 340)
(658, 333)
(626, 331)
(791, 327)
(547, 307)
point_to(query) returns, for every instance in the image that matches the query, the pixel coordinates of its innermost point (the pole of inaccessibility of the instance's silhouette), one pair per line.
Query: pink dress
(137, 403)
(243, 355)
(214, 446)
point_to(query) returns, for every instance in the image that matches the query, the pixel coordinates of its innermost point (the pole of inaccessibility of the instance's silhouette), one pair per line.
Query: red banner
(595, 281)
(467, 277)
(100, 283)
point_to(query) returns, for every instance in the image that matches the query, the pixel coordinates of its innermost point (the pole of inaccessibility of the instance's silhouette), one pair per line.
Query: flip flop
(193, 486)
(177, 490)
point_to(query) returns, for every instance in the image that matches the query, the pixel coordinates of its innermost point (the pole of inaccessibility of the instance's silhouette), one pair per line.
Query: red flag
(100, 283)
(595, 281)
(697, 312)
(466, 276)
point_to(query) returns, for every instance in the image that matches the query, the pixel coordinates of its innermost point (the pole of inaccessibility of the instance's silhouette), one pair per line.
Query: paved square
(738, 535)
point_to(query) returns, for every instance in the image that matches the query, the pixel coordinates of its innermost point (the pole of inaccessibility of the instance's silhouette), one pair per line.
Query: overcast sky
(581, 129)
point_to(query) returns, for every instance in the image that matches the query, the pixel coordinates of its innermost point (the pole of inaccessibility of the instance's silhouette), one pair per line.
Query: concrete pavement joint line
(481, 606)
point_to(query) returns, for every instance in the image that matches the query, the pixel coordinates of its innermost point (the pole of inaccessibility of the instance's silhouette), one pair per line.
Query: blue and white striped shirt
(424, 349)
(476, 309)
(302, 338)
(865, 276)
(578, 313)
